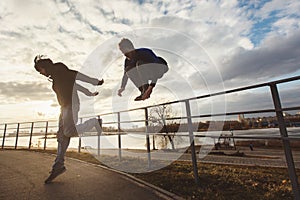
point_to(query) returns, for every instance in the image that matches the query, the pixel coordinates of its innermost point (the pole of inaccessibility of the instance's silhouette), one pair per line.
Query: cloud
(21, 92)
(275, 57)
(290, 98)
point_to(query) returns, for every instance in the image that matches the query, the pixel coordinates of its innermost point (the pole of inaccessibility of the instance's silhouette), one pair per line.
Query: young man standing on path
(141, 66)
(64, 85)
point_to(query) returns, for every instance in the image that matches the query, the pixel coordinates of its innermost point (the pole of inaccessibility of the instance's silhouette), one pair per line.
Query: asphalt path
(22, 175)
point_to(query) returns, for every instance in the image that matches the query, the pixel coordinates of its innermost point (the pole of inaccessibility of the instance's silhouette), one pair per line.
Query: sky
(210, 46)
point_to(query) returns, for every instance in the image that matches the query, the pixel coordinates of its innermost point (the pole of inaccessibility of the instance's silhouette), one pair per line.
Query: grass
(222, 182)
(215, 181)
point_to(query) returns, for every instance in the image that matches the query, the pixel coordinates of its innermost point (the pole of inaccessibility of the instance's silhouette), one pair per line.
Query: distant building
(241, 117)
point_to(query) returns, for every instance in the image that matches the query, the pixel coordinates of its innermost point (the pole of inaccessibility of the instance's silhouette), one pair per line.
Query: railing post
(30, 137)
(79, 139)
(98, 152)
(119, 136)
(46, 131)
(4, 133)
(17, 136)
(191, 136)
(286, 143)
(153, 144)
(79, 144)
(147, 137)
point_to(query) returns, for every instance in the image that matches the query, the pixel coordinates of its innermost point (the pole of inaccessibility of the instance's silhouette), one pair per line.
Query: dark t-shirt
(63, 83)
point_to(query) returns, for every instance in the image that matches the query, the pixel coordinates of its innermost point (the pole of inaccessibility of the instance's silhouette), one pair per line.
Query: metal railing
(278, 109)
(27, 129)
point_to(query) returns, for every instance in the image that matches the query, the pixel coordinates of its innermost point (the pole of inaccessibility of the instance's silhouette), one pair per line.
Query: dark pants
(142, 74)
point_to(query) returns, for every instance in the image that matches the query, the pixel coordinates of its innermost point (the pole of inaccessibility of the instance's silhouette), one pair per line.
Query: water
(128, 141)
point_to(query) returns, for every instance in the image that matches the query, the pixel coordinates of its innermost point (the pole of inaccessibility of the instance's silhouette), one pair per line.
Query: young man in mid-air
(64, 85)
(141, 66)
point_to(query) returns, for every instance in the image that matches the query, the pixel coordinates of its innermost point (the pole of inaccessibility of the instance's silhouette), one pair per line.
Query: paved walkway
(22, 176)
(259, 157)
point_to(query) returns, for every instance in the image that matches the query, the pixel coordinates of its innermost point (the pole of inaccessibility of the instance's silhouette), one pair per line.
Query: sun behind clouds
(46, 110)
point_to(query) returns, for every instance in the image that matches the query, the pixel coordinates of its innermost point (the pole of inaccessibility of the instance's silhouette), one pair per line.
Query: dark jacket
(141, 56)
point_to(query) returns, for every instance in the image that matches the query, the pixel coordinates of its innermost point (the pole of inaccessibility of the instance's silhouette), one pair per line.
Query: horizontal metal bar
(51, 120)
(229, 113)
(291, 108)
(174, 118)
(212, 136)
(113, 122)
(234, 113)
(141, 120)
(295, 78)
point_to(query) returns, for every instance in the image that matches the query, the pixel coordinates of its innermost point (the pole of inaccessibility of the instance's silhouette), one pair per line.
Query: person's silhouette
(141, 66)
(64, 85)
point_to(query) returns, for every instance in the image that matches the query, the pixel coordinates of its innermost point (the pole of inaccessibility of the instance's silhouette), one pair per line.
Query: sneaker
(147, 94)
(142, 89)
(101, 82)
(54, 174)
(139, 98)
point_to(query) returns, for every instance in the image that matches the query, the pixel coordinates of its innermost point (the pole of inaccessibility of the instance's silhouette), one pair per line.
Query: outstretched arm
(85, 78)
(123, 84)
(85, 91)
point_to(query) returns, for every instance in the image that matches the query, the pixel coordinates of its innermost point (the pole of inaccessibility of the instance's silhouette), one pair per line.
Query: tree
(158, 117)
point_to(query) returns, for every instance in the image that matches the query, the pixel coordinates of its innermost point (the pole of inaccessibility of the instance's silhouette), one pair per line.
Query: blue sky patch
(262, 27)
